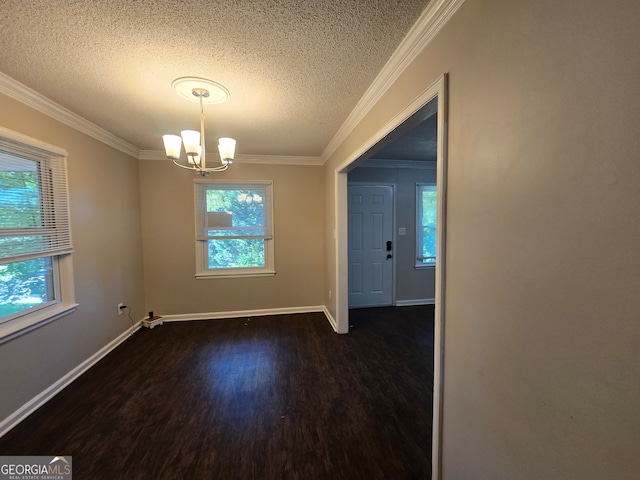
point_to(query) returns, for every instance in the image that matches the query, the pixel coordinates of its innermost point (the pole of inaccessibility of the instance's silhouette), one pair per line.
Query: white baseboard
(187, 317)
(414, 302)
(332, 321)
(43, 397)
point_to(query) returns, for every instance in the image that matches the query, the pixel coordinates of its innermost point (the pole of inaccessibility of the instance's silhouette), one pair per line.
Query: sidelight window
(426, 225)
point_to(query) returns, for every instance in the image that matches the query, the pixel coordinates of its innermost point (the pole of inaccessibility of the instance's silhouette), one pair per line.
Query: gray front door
(370, 252)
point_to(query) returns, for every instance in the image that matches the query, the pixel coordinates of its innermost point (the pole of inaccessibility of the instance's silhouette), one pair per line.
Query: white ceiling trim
(279, 160)
(255, 159)
(16, 90)
(390, 163)
(432, 20)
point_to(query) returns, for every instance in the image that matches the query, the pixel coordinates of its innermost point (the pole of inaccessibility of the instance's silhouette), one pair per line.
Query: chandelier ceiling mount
(203, 91)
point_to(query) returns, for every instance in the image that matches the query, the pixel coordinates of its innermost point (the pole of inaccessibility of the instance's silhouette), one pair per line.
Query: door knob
(389, 255)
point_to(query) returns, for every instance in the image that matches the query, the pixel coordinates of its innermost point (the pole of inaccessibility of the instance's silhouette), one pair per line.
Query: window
(35, 238)
(425, 225)
(234, 229)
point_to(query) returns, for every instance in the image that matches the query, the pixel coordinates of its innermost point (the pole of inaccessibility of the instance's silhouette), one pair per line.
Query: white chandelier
(203, 91)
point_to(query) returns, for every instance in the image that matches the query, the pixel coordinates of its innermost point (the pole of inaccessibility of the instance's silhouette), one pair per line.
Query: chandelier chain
(203, 163)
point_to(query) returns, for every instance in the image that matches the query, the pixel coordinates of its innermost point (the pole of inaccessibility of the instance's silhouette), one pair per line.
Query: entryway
(436, 91)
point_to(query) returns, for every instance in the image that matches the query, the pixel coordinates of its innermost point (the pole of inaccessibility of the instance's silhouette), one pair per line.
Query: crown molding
(279, 160)
(23, 94)
(432, 20)
(389, 163)
(240, 158)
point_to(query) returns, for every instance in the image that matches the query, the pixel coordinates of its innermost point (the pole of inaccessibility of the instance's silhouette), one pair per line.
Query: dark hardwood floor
(279, 397)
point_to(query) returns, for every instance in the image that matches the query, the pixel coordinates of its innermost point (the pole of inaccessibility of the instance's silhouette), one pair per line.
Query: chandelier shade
(191, 141)
(194, 141)
(172, 146)
(227, 148)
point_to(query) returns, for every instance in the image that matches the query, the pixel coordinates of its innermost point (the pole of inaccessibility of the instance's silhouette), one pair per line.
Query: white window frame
(202, 270)
(418, 250)
(64, 301)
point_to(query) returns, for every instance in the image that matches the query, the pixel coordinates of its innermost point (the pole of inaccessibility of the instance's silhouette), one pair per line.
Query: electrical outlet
(121, 308)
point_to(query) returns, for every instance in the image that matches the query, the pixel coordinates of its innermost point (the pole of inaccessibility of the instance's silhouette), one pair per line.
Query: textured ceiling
(295, 69)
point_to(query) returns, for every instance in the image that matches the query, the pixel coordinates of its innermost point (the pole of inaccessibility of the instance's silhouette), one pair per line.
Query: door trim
(437, 89)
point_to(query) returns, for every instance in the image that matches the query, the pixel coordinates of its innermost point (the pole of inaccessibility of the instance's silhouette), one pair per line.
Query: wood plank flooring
(279, 397)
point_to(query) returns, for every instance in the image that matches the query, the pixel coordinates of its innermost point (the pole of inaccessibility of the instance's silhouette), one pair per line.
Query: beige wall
(107, 261)
(541, 349)
(169, 242)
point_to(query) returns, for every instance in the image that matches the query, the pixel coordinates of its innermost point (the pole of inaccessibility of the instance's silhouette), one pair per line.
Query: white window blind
(33, 195)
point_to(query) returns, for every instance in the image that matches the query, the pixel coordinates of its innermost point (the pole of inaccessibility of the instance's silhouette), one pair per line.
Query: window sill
(209, 276)
(19, 326)
(424, 267)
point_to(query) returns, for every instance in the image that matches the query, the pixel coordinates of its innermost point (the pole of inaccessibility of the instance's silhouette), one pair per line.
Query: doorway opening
(403, 273)
(400, 124)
